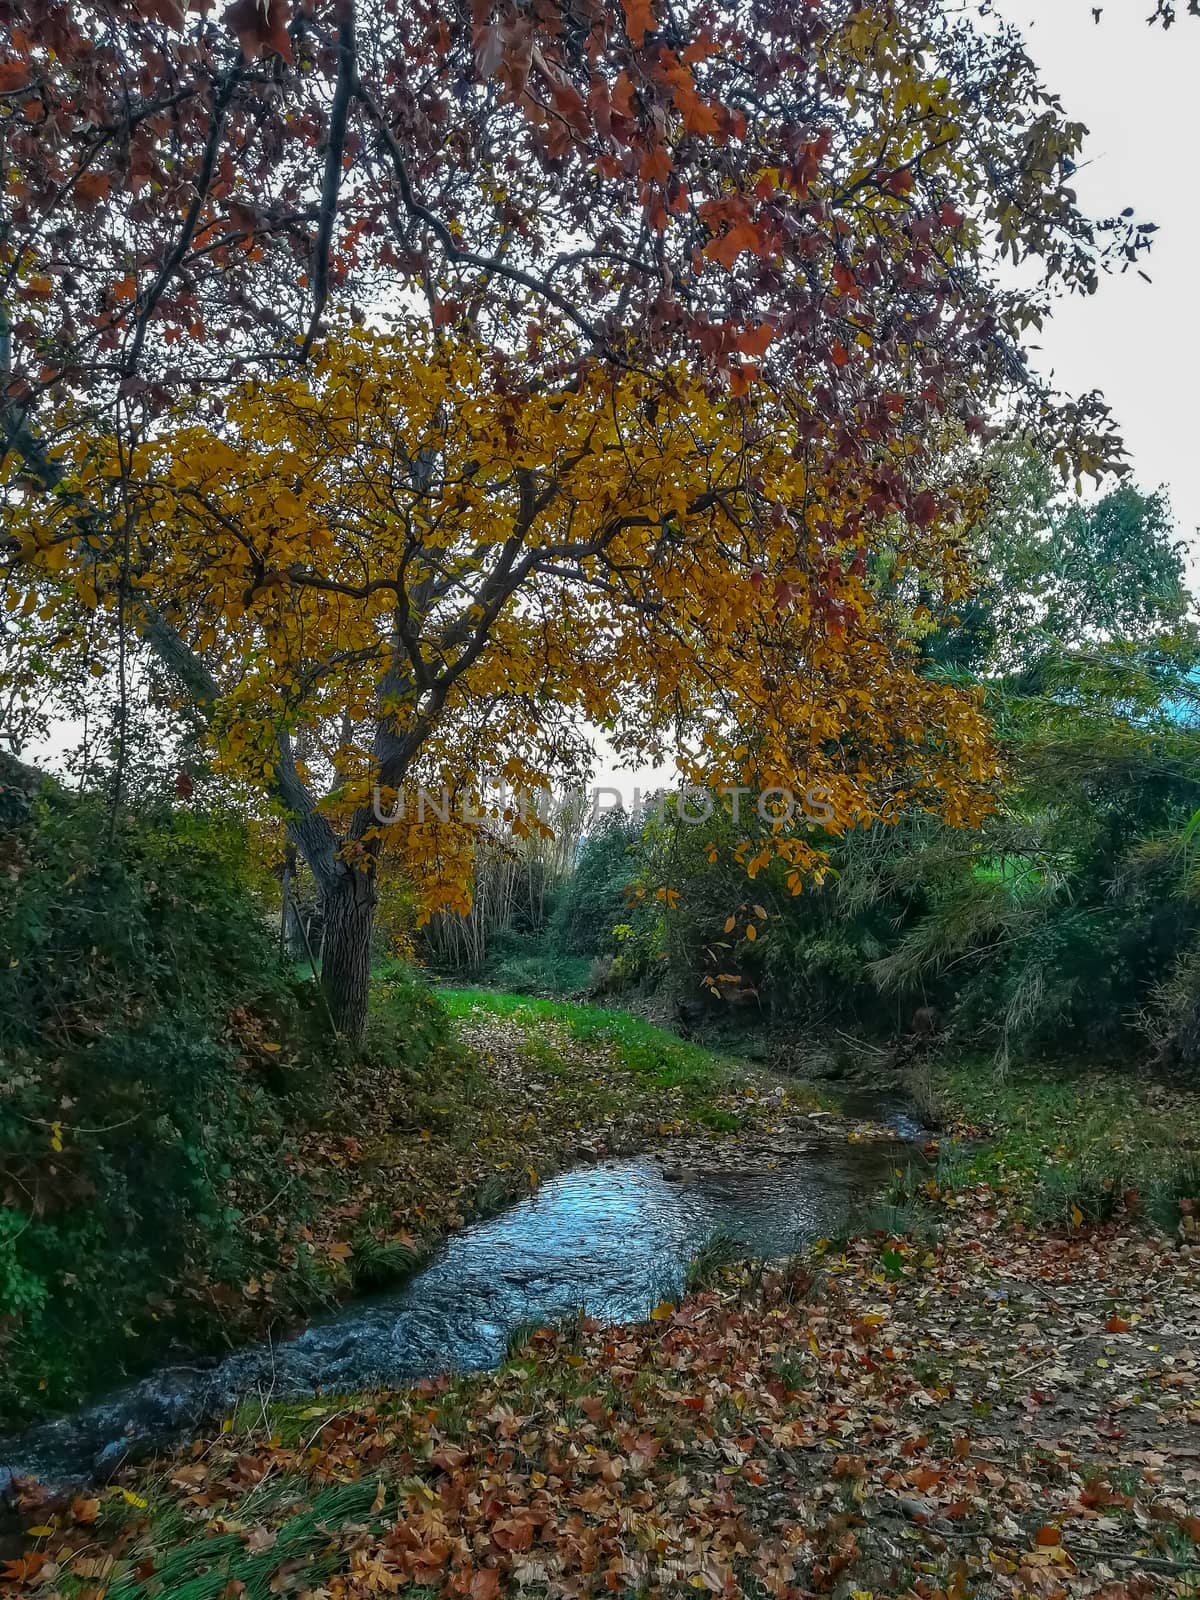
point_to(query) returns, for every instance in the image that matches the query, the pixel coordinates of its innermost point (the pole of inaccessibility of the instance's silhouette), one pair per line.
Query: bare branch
(334, 153)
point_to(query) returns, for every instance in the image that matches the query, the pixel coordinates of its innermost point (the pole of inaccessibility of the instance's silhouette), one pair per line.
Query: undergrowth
(155, 1057)
(1064, 1146)
(187, 1158)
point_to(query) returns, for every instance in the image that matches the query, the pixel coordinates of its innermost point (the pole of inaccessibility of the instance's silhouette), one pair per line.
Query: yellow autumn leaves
(410, 537)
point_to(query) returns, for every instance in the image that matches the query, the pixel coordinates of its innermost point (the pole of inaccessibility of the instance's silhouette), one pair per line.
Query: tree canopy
(1053, 574)
(672, 326)
(449, 576)
(187, 196)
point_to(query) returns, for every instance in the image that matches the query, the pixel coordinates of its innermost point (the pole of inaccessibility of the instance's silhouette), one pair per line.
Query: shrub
(150, 1041)
(594, 900)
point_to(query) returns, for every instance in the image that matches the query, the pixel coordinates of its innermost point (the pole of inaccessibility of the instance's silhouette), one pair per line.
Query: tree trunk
(349, 893)
(348, 916)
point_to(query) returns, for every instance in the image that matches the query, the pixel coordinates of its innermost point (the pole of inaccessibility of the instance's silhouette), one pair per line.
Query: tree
(185, 199)
(1056, 574)
(454, 573)
(185, 194)
(596, 896)
(801, 209)
(1056, 922)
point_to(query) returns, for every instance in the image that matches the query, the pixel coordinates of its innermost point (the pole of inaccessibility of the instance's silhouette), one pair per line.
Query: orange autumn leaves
(261, 27)
(639, 21)
(881, 1425)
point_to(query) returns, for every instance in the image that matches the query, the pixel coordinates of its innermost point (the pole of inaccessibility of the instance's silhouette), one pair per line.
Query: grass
(651, 1058)
(209, 1568)
(708, 1265)
(1065, 1145)
(540, 973)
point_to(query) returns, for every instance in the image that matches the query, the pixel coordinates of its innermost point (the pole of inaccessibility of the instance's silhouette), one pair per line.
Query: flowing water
(612, 1239)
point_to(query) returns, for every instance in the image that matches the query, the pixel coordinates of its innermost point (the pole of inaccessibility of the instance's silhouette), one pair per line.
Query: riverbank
(992, 1412)
(1061, 1144)
(529, 1088)
(977, 1405)
(358, 1166)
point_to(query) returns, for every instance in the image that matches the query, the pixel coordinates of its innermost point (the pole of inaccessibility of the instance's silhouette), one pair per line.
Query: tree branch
(450, 245)
(163, 638)
(332, 180)
(203, 183)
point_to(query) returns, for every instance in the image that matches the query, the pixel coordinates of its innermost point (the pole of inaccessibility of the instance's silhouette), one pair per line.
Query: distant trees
(1068, 917)
(1055, 573)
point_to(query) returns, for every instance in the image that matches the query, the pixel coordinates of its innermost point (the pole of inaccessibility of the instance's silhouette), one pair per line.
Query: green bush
(403, 1006)
(807, 962)
(541, 972)
(150, 1045)
(1068, 921)
(594, 899)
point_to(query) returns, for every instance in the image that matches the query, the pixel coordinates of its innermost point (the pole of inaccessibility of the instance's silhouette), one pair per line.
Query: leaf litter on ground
(989, 1411)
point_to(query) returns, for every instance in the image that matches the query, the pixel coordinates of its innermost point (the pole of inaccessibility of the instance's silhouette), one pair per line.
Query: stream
(613, 1239)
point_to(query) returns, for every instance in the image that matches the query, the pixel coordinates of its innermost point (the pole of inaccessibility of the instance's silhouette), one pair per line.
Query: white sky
(1137, 90)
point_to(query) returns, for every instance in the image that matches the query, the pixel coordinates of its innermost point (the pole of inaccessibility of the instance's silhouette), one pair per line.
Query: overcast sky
(1137, 90)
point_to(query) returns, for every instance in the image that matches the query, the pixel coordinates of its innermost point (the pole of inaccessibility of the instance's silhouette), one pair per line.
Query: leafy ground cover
(1065, 1146)
(634, 1063)
(991, 1413)
(977, 1407)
